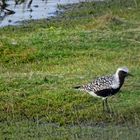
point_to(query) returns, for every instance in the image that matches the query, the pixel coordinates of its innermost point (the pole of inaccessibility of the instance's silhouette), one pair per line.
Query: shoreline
(54, 9)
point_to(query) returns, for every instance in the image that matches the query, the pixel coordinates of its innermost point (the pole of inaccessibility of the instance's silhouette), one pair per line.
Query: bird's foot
(108, 111)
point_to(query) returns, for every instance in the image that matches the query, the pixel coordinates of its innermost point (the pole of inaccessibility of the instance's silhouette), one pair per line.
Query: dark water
(40, 9)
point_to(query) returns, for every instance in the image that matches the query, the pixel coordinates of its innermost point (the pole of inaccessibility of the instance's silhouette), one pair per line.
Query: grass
(30, 130)
(41, 61)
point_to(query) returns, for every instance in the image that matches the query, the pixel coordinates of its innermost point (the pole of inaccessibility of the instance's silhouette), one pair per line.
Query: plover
(106, 86)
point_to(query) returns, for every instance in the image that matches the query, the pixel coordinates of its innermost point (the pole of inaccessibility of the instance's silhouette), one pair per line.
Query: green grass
(41, 61)
(31, 130)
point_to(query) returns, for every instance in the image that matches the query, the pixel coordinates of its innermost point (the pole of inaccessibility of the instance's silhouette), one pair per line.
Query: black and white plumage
(106, 86)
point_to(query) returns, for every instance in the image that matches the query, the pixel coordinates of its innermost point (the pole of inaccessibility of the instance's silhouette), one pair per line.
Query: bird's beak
(129, 74)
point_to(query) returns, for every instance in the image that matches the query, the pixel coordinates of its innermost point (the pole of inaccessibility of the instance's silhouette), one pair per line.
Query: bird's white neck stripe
(116, 81)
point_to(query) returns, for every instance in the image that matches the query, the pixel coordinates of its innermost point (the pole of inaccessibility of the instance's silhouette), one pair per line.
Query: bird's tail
(78, 87)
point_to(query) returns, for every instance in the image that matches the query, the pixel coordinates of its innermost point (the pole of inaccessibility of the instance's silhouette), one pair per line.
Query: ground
(42, 60)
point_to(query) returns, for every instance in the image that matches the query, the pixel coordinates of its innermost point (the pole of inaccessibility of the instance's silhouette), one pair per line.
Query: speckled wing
(100, 86)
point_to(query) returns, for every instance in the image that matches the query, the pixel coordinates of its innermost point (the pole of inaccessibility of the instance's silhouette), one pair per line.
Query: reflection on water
(40, 9)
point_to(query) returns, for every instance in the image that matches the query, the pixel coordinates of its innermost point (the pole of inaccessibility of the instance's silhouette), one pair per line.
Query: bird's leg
(103, 105)
(107, 106)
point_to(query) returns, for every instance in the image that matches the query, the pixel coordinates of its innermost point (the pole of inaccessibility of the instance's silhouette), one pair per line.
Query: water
(40, 9)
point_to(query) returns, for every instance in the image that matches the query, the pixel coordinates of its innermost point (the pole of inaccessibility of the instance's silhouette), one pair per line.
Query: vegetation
(41, 61)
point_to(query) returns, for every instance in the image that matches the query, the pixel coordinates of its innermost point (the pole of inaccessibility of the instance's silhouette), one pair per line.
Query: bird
(106, 86)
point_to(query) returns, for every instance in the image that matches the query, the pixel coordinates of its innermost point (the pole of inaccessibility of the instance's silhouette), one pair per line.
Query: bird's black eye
(125, 73)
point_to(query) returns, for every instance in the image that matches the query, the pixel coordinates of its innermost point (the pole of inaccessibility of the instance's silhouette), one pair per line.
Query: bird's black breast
(107, 92)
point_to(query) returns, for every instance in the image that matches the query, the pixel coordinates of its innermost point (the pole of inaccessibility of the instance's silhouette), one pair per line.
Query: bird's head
(123, 72)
